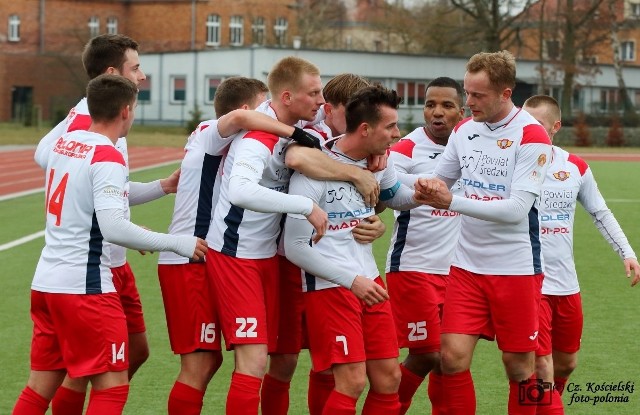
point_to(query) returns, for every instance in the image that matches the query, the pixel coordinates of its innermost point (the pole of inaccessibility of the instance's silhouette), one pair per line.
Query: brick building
(40, 45)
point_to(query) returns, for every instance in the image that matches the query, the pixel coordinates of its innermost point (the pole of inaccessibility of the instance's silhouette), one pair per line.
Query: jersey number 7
(55, 200)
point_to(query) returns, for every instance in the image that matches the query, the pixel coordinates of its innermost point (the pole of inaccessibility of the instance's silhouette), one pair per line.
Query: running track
(20, 173)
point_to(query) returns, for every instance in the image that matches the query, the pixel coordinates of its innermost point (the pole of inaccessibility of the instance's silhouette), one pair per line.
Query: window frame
(94, 26)
(258, 31)
(280, 29)
(112, 25)
(173, 89)
(213, 26)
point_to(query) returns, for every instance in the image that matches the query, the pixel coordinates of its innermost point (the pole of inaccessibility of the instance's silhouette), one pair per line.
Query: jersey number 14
(55, 199)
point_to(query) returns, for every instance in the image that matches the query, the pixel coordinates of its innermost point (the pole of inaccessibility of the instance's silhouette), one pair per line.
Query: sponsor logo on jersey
(440, 212)
(344, 225)
(554, 231)
(504, 143)
(559, 216)
(471, 137)
(350, 214)
(72, 148)
(561, 175)
(542, 159)
(434, 156)
(482, 185)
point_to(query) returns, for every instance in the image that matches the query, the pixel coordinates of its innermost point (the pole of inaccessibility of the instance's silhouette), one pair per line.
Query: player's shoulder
(104, 152)
(269, 140)
(578, 162)
(461, 124)
(532, 131)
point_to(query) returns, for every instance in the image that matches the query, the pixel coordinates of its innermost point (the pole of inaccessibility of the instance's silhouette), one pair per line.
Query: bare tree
(494, 20)
(627, 105)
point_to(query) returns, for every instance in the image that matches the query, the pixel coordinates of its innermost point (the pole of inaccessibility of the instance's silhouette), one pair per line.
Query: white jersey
(240, 232)
(345, 208)
(491, 161)
(80, 120)
(424, 238)
(84, 174)
(198, 187)
(569, 180)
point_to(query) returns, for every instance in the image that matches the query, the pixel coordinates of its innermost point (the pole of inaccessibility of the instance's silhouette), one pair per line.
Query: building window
(412, 92)
(236, 32)
(144, 91)
(258, 30)
(280, 30)
(112, 25)
(635, 10)
(14, 28)
(213, 30)
(212, 83)
(94, 26)
(552, 49)
(178, 89)
(628, 51)
(608, 99)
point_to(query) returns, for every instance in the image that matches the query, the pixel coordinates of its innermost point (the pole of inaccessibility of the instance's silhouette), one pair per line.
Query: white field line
(21, 241)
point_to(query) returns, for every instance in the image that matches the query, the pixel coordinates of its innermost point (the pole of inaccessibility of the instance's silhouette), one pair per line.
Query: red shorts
(417, 299)
(291, 327)
(344, 329)
(561, 323)
(246, 298)
(494, 306)
(125, 283)
(86, 334)
(188, 295)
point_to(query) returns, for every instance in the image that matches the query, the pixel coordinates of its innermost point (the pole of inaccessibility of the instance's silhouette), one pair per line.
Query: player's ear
(506, 93)
(125, 112)
(328, 108)
(364, 129)
(112, 71)
(556, 126)
(285, 97)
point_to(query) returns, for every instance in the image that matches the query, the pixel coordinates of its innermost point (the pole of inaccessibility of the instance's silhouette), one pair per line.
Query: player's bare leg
(276, 383)
(563, 366)
(244, 391)
(384, 376)
(138, 352)
(520, 367)
(544, 371)
(41, 387)
(456, 353)
(196, 371)
(351, 379)
(414, 369)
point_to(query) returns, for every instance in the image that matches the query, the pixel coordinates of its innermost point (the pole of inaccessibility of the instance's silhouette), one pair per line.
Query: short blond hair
(499, 66)
(341, 87)
(552, 106)
(287, 74)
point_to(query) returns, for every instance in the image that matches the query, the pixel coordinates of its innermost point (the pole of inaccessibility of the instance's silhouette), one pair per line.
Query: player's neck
(283, 114)
(110, 130)
(349, 146)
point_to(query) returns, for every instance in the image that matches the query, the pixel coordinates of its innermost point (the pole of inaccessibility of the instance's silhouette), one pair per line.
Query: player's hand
(433, 192)
(631, 264)
(377, 163)
(368, 290)
(305, 139)
(200, 251)
(320, 220)
(170, 184)
(368, 230)
(368, 186)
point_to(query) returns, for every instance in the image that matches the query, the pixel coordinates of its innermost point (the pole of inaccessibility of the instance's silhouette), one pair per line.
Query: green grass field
(609, 346)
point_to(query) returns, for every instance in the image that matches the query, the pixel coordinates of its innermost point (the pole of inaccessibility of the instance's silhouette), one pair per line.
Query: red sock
(67, 402)
(436, 394)
(409, 384)
(521, 402)
(320, 387)
(185, 400)
(244, 394)
(559, 384)
(381, 404)
(30, 403)
(274, 396)
(339, 404)
(551, 405)
(108, 401)
(459, 395)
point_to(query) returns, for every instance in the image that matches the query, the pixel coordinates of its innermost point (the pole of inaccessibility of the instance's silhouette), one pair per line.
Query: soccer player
(112, 54)
(336, 93)
(569, 180)
(348, 325)
(79, 323)
(501, 155)
(242, 258)
(187, 291)
(422, 246)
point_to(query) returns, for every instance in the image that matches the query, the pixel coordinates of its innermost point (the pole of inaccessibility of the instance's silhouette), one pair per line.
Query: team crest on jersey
(504, 143)
(542, 159)
(561, 175)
